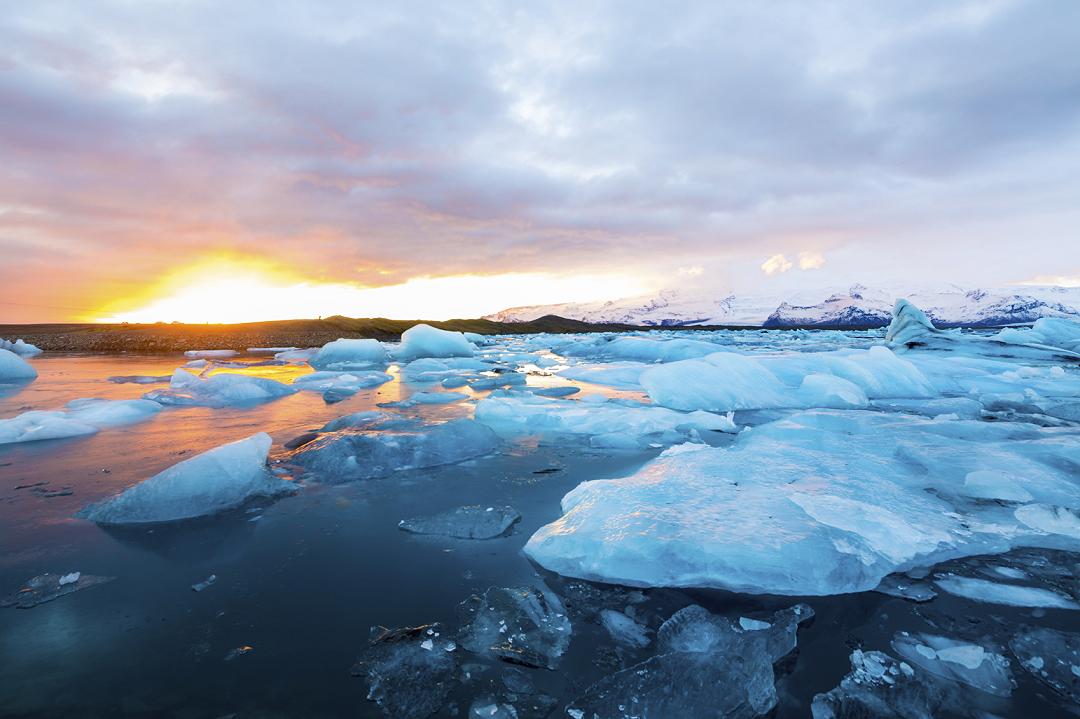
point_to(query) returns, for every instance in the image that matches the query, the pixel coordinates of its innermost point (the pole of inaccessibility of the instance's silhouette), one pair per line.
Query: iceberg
(14, 368)
(1047, 331)
(111, 412)
(37, 425)
(223, 478)
(351, 455)
(219, 390)
(427, 341)
(20, 348)
(349, 354)
(821, 502)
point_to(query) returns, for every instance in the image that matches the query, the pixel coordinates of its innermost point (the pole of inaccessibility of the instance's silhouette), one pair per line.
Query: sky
(211, 161)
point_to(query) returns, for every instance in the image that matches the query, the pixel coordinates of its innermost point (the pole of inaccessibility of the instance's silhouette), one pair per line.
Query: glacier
(222, 478)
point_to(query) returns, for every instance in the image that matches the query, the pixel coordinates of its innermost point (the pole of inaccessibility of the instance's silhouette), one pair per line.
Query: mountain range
(856, 306)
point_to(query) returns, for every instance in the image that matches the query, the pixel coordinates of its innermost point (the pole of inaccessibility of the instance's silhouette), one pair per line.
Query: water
(301, 580)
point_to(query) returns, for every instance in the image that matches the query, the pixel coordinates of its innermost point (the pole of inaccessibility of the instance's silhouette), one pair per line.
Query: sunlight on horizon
(230, 291)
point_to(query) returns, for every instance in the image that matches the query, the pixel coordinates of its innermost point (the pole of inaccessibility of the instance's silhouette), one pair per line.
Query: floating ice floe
(1014, 595)
(620, 375)
(880, 686)
(82, 417)
(296, 356)
(270, 350)
(1047, 331)
(430, 369)
(210, 354)
(410, 671)
(349, 354)
(218, 390)
(351, 455)
(222, 478)
(704, 660)
(1052, 657)
(14, 368)
(521, 625)
(342, 382)
(821, 502)
(607, 423)
(471, 522)
(970, 664)
(20, 347)
(140, 379)
(427, 341)
(47, 587)
(417, 398)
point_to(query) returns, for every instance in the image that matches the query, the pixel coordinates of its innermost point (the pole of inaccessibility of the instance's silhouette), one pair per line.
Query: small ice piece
(753, 625)
(348, 456)
(20, 347)
(425, 398)
(222, 478)
(47, 587)
(1013, 595)
(270, 350)
(623, 629)
(356, 420)
(238, 652)
(471, 522)
(970, 664)
(426, 341)
(210, 354)
(219, 390)
(556, 391)
(1051, 519)
(880, 686)
(37, 425)
(991, 484)
(343, 384)
(405, 678)
(902, 586)
(1052, 657)
(349, 354)
(14, 368)
(204, 584)
(522, 625)
(140, 379)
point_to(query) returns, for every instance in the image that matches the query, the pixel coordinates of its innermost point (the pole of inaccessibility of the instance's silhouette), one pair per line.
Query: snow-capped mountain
(856, 306)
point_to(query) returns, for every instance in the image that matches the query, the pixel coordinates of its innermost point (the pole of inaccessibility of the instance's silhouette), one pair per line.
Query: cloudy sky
(582, 147)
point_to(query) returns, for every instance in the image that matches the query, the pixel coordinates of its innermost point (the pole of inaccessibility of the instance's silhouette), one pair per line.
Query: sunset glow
(231, 290)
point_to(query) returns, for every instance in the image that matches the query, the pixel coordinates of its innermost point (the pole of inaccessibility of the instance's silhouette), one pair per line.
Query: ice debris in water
(47, 587)
(704, 660)
(970, 664)
(427, 341)
(607, 423)
(1047, 331)
(904, 587)
(429, 369)
(14, 368)
(140, 379)
(20, 347)
(222, 478)
(623, 629)
(408, 670)
(471, 522)
(870, 494)
(879, 686)
(351, 455)
(349, 354)
(426, 398)
(358, 420)
(210, 354)
(219, 390)
(1013, 595)
(1052, 657)
(520, 625)
(340, 385)
(204, 584)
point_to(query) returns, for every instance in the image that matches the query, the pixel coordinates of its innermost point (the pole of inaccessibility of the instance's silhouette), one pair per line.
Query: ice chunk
(1013, 595)
(621, 375)
(1050, 519)
(349, 455)
(817, 503)
(822, 390)
(210, 354)
(358, 420)
(408, 676)
(879, 686)
(140, 379)
(904, 587)
(623, 629)
(1052, 657)
(222, 478)
(526, 413)
(990, 484)
(349, 354)
(47, 587)
(295, 356)
(270, 350)
(427, 341)
(14, 368)
(970, 664)
(20, 347)
(38, 425)
(522, 625)
(111, 412)
(345, 383)
(429, 369)
(219, 390)
(555, 392)
(426, 398)
(471, 522)
(1047, 331)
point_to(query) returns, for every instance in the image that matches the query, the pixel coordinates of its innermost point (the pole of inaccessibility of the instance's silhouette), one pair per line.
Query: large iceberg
(349, 354)
(350, 454)
(218, 390)
(20, 347)
(821, 502)
(223, 478)
(14, 368)
(427, 341)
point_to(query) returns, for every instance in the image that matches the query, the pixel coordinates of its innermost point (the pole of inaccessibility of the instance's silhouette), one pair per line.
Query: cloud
(776, 264)
(366, 141)
(692, 271)
(811, 260)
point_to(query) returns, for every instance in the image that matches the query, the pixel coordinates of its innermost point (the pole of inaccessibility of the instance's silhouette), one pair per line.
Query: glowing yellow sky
(228, 290)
